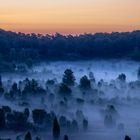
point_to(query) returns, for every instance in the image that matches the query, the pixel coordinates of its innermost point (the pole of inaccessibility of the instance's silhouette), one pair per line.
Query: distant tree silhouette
(85, 124)
(0, 81)
(32, 48)
(1, 87)
(85, 83)
(74, 125)
(68, 77)
(122, 77)
(138, 73)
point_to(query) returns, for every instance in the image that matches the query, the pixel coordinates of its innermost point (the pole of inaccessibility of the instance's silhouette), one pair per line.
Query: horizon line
(67, 34)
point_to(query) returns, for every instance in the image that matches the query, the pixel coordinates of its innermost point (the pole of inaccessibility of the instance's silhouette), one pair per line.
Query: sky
(69, 16)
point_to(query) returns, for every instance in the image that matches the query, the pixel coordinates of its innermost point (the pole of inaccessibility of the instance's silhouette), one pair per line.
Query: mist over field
(102, 69)
(103, 104)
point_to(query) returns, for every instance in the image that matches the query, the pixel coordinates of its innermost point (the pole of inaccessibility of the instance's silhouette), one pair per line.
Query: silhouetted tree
(50, 82)
(1, 86)
(39, 116)
(66, 137)
(32, 88)
(0, 81)
(63, 121)
(16, 120)
(2, 119)
(85, 83)
(1, 90)
(6, 109)
(14, 87)
(122, 77)
(56, 129)
(28, 136)
(68, 77)
(74, 126)
(85, 124)
(127, 138)
(14, 90)
(138, 74)
(26, 112)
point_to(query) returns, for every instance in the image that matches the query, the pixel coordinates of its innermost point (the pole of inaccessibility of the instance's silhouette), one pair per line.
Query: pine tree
(68, 77)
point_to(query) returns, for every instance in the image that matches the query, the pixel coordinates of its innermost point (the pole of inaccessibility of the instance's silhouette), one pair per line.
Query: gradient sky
(69, 16)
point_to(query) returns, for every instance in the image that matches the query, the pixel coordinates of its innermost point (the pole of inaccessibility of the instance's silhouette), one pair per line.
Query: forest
(33, 48)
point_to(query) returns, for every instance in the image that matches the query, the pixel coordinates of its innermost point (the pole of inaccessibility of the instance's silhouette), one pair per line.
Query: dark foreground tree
(2, 119)
(66, 137)
(68, 77)
(28, 136)
(56, 129)
(127, 138)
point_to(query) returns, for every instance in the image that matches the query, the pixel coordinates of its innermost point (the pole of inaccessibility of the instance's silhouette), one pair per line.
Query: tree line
(30, 48)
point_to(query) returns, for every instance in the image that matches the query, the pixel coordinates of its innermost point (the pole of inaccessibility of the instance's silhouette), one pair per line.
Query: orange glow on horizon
(69, 17)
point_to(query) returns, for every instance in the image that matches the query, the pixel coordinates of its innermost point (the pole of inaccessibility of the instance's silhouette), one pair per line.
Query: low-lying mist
(102, 69)
(91, 100)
